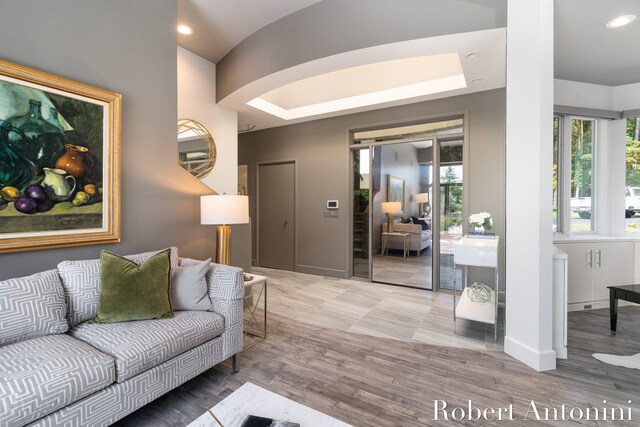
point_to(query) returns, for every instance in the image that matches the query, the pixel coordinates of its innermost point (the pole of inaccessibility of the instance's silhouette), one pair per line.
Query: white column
(529, 239)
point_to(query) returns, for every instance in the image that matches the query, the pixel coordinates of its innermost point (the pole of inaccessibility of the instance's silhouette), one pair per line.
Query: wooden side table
(405, 242)
(253, 327)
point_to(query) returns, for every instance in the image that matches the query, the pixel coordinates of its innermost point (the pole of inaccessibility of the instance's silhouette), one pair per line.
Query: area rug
(632, 362)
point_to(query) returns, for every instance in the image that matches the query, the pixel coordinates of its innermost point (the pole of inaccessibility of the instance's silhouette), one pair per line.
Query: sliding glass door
(451, 200)
(360, 207)
(401, 234)
(405, 201)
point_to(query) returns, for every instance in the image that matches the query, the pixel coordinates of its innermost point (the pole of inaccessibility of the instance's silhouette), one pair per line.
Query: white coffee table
(254, 400)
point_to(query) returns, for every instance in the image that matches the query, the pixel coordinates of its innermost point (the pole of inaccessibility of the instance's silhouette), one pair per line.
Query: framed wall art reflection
(395, 189)
(59, 161)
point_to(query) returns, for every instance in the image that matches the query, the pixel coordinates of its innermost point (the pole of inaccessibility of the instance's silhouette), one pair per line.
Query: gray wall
(324, 167)
(127, 47)
(331, 27)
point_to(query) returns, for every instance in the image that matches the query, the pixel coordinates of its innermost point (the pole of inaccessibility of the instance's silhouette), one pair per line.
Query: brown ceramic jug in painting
(77, 161)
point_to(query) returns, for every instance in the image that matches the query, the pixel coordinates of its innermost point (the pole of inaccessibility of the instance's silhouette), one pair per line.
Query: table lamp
(390, 208)
(222, 210)
(421, 199)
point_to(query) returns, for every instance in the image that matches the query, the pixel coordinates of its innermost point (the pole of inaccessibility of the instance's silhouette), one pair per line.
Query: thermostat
(332, 204)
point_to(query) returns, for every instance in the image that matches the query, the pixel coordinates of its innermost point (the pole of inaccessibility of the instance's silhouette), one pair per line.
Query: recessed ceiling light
(620, 21)
(185, 29)
(472, 55)
(475, 81)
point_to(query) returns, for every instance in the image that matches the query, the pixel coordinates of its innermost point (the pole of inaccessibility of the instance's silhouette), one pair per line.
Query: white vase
(479, 230)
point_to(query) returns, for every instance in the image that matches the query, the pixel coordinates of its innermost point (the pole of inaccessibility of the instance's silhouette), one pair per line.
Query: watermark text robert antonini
(533, 411)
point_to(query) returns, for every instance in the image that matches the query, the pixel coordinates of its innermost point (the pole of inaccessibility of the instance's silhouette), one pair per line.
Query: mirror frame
(203, 169)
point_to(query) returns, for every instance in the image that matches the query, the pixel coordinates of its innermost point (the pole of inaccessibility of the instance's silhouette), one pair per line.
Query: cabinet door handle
(599, 258)
(590, 262)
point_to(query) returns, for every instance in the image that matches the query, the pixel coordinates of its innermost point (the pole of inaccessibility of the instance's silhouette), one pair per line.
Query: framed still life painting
(59, 161)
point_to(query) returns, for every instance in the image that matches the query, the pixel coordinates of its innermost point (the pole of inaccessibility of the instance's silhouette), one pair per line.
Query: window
(582, 153)
(574, 179)
(632, 189)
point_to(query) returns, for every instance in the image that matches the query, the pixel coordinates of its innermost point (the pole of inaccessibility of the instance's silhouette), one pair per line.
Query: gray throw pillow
(32, 306)
(189, 287)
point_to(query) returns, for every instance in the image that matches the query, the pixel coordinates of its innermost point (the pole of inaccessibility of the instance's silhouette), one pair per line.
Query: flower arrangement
(482, 219)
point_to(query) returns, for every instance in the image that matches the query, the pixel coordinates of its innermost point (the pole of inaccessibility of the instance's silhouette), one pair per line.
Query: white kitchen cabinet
(580, 271)
(592, 267)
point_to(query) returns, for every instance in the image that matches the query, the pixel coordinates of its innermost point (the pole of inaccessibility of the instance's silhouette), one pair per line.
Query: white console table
(476, 253)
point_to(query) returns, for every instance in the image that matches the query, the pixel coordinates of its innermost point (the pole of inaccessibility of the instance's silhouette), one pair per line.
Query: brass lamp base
(223, 244)
(389, 223)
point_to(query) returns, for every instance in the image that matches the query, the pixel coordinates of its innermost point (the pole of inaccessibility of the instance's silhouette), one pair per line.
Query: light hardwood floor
(392, 381)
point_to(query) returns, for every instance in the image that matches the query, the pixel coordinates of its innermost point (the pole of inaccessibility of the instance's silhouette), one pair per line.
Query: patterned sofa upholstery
(57, 369)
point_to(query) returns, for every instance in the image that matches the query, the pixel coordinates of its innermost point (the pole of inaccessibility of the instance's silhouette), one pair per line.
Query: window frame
(627, 232)
(564, 175)
(560, 182)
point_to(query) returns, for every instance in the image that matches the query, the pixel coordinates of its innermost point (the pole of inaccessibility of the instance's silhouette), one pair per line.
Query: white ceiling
(368, 84)
(585, 50)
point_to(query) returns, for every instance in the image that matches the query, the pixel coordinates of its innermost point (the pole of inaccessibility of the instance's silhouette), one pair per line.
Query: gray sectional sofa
(57, 369)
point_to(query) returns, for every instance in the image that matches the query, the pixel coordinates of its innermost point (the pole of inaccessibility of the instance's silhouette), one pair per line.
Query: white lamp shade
(391, 207)
(421, 198)
(224, 209)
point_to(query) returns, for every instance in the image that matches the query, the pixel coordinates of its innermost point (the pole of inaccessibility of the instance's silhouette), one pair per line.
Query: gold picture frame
(395, 189)
(61, 183)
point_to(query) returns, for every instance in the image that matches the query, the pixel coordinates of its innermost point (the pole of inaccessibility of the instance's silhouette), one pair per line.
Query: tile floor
(374, 309)
(414, 271)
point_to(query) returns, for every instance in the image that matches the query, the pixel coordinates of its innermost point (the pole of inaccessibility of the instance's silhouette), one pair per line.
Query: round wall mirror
(196, 148)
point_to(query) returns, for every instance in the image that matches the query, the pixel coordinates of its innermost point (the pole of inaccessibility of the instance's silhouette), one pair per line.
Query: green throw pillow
(130, 291)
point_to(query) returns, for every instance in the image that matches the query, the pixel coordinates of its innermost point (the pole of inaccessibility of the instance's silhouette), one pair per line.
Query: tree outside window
(582, 150)
(632, 190)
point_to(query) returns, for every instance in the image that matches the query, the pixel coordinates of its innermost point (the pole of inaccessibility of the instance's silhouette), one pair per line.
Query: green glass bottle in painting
(53, 118)
(45, 142)
(15, 169)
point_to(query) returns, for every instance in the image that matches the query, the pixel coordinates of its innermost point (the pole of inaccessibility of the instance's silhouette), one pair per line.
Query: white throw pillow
(32, 306)
(189, 287)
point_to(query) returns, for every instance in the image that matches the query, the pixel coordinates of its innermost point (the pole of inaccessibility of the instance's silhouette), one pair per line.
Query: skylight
(364, 85)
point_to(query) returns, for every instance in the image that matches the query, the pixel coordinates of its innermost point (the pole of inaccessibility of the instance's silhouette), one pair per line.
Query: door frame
(435, 203)
(293, 161)
(436, 190)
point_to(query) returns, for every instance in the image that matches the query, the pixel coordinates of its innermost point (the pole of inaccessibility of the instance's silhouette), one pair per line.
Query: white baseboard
(540, 361)
(561, 352)
(594, 305)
